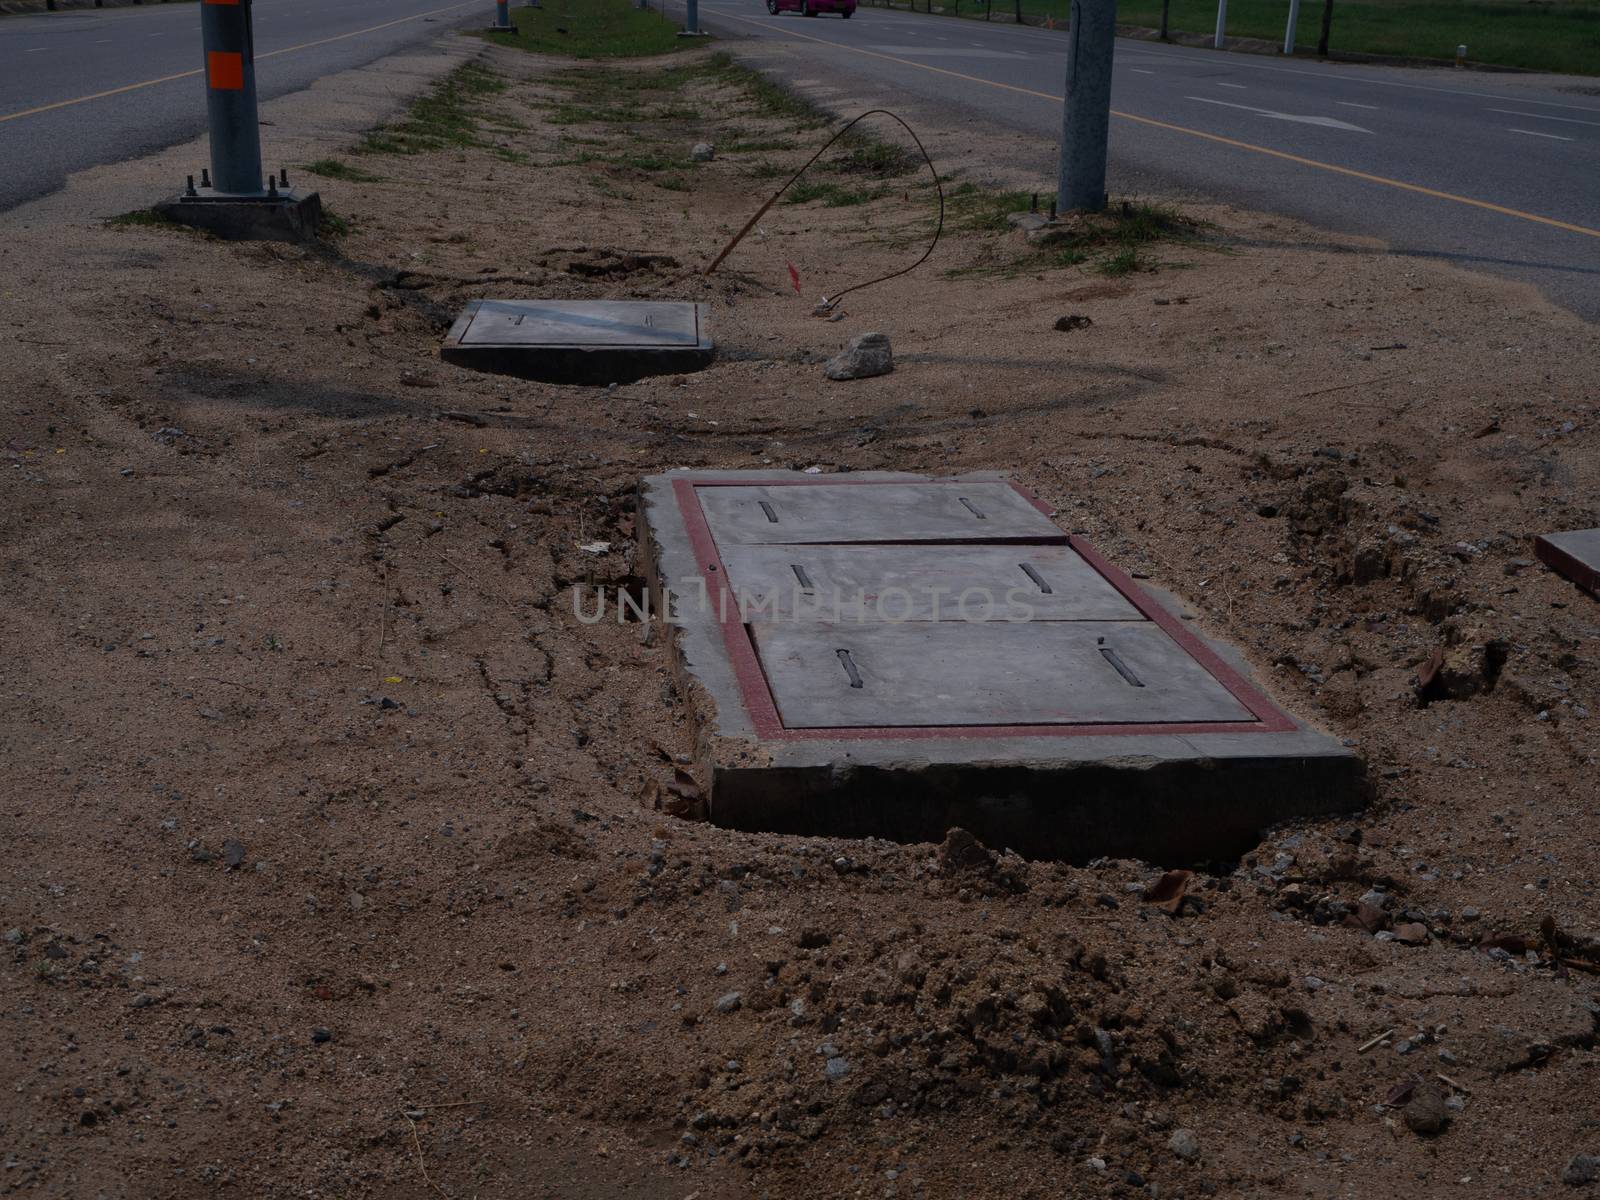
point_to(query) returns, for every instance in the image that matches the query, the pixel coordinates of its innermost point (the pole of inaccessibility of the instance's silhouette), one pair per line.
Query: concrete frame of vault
(1169, 798)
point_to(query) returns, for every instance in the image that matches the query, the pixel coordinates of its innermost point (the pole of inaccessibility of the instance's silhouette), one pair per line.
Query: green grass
(447, 117)
(1124, 260)
(1543, 35)
(832, 195)
(655, 162)
(142, 218)
(634, 99)
(979, 211)
(757, 146)
(764, 97)
(862, 155)
(333, 168)
(1113, 243)
(592, 29)
(332, 227)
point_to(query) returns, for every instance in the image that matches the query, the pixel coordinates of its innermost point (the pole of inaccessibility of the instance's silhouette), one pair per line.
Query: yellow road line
(1418, 188)
(133, 87)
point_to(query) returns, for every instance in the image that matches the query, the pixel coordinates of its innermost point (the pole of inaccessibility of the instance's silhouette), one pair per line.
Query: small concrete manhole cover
(580, 341)
(1574, 555)
(890, 655)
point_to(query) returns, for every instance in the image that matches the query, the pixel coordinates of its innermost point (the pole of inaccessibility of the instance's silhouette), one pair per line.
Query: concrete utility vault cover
(890, 655)
(580, 341)
(1575, 554)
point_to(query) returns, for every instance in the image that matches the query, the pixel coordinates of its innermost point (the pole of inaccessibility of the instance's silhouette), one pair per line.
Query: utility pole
(225, 30)
(1086, 117)
(1222, 22)
(1327, 27)
(1288, 33)
(234, 199)
(1165, 5)
(691, 19)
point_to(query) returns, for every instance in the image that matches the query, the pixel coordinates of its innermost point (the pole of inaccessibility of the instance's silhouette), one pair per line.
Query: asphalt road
(1497, 172)
(90, 86)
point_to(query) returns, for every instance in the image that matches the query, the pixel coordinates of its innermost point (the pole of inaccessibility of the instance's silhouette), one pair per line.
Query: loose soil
(341, 858)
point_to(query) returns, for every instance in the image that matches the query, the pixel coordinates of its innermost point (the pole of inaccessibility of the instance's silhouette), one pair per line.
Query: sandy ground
(332, 867)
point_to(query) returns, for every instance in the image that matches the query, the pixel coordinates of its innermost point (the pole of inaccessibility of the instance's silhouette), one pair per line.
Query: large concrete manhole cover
(580, 341)
(890, 655)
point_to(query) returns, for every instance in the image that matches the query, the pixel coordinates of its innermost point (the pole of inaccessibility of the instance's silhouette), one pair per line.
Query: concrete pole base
(287, 217)
(502, 29)
(693, 33)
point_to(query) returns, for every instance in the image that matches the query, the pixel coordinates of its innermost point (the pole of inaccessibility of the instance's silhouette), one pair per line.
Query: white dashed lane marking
(1511, 112)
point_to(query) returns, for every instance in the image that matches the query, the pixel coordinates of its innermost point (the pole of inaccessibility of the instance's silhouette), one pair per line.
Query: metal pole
(1222, 21)
(231, 96)
(502, 14)
(691, 17)
(1288, 33)
(1086, 117)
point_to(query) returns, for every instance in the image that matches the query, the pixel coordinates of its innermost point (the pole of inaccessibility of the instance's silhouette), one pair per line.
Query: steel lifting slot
(1122, 668)
(772, 514)
(972, 508)
(801, 577)
(849, 665)
(1038, 579)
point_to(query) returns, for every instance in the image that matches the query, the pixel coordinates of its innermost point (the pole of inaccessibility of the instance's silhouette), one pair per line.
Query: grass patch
(586, 114)
(1113, 243)
(758, 146)
(1124, 260)
(863, 155)
(1549, 35)
(638, 98)
(592, 29)
(975, 210)
(333, 168)
(620, 97)
(1545, 36)
(446, 118)
(832, 195)
(655, 162)
(767, 98)
(142, 218)
(332, 227)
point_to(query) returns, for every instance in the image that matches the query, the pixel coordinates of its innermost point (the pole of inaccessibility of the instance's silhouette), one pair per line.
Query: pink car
(812, 7)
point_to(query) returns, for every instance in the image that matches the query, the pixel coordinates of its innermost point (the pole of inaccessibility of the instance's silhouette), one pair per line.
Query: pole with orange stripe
(231, 97)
